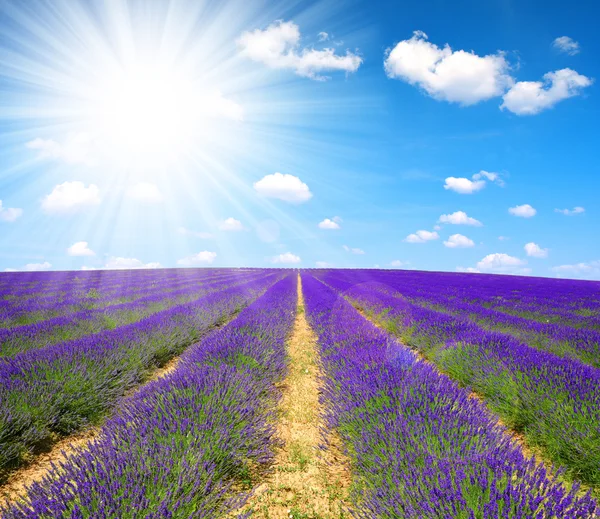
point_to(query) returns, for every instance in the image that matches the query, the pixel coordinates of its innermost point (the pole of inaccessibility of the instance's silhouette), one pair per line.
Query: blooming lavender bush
(420, 447)
(56, 390)
(85, 322)
(554, 401)
(176, 446)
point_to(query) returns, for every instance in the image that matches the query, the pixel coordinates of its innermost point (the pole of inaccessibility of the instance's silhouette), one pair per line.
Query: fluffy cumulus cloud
(196, 234)
(284, 187)
(70, 197)
(535, 251)
(323, 264)
(80, 248)
(585, 270)
(567, 45)
(459, 241)
(397, 263)
(500, 262)
(477, 182)
(9, 214)
(464, 186)
(231, 224)
(330, 224)
(421, 237)
(471, 270)
(455, 76)
(145, 192)
(459, 218)
(532, 97)
(201, 258)
(287, 258)
(353, 250)
(278, 47)
(523, 211)
(75, 149)
(118, 263)
(571, 212)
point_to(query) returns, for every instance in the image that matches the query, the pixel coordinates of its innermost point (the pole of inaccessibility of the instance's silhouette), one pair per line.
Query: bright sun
(149, 113)
(145, 110)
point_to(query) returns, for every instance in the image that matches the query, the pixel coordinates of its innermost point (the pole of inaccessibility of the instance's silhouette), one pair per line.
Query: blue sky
(416, 134)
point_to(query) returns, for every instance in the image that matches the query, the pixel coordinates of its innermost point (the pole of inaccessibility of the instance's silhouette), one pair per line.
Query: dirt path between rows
(307, 480)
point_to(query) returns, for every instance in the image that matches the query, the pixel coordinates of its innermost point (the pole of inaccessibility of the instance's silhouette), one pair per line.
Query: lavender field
(436, 395)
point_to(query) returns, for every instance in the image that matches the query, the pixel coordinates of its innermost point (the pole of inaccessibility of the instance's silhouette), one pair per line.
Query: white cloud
(590, 270)
(278, 47)
(286, 258)
(88, 268)
(459, 218)
(489, 175)
(284, 187)
(231, 224)
(353, 250)
(459, 241)
(471, 270)
(74, 150)
(80, 248)
(118, 263)
(331, 224)
(145, 192)
(214, 104)
(397, 263)
(454, 76)
(567, 45)
(9, 214)
(196, 234)
(500, 262)
(33, 267)
(570, 212)
(503, 238)
(535, 251)
(532, 97)
(421, 237)
(201, 258)
(323, 264)
(71, 197)
(524, 211)
(466, 186)
(323, 36)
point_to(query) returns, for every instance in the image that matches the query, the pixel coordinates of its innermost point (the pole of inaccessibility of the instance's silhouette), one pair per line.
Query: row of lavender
(97, 290)
(58, 389)
(554, 401)
(419, 446)
(567, 302)
(175, 448)
(78, 324)
(434, 291)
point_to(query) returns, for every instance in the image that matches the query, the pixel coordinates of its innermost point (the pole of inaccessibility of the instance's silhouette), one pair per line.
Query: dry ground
(307, 481)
